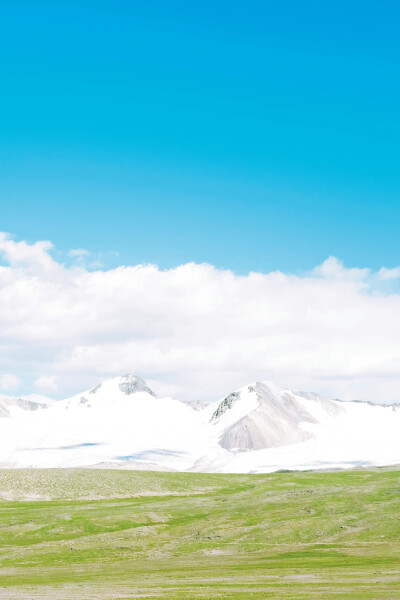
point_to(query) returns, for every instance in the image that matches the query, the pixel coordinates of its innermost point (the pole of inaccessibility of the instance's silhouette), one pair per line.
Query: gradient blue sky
(252, 135)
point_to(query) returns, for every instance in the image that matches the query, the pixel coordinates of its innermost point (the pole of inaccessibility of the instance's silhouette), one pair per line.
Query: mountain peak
(130, 384)
(127, 384)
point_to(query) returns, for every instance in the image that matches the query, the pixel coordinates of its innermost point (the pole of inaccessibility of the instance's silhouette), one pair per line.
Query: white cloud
(388, 274)
(81, 259)
(332, 268)
(9, 382)
(21, 253)
(46, 383)
(197, 330)
(78, 252)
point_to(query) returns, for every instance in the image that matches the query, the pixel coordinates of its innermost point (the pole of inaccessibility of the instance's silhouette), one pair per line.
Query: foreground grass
(122, 534)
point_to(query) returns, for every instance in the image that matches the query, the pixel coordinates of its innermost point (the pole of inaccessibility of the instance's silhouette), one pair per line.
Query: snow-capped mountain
(264, 416)
(121, 423)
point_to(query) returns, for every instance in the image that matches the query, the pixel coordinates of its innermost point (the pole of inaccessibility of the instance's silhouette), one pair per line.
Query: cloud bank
(195, 330)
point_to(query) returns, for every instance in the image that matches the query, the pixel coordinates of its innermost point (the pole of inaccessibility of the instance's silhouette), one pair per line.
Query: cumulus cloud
(195, 330)
(27, 255)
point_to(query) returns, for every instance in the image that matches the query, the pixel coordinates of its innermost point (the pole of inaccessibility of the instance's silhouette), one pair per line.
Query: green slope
(121, 534)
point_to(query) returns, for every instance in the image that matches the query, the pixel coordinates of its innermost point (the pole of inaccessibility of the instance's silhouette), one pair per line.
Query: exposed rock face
(26, 404)
(95, 389)
(196, 404)
(225, 405)
(22, 403)
(130, 384)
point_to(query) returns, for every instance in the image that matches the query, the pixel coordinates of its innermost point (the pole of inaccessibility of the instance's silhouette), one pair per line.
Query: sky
(252, 137)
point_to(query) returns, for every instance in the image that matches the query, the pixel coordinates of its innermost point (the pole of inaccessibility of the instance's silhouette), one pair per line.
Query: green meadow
(92, 534)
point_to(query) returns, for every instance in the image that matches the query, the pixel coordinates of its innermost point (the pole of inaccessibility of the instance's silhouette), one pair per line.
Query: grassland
(87, 534)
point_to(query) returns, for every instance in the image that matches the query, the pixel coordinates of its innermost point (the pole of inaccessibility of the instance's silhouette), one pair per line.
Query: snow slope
(121, 423)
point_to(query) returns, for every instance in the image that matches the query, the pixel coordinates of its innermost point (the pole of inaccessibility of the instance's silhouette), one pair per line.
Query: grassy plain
(92, 534)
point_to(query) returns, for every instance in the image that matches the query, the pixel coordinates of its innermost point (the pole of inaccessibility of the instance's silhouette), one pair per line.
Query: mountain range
(121, 423)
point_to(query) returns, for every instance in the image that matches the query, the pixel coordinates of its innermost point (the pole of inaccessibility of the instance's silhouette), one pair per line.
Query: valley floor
(83, 534)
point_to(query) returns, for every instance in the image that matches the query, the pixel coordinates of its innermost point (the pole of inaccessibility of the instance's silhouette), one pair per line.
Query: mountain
(264, 416)
(261, 427)
(28, 403)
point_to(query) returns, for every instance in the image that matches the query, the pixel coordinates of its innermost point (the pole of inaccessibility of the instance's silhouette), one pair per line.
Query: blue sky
(250, 135)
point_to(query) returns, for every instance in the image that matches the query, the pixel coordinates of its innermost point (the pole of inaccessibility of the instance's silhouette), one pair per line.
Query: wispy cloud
(46, 384)
(78, 252)
(9, 382)
(389, 274)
